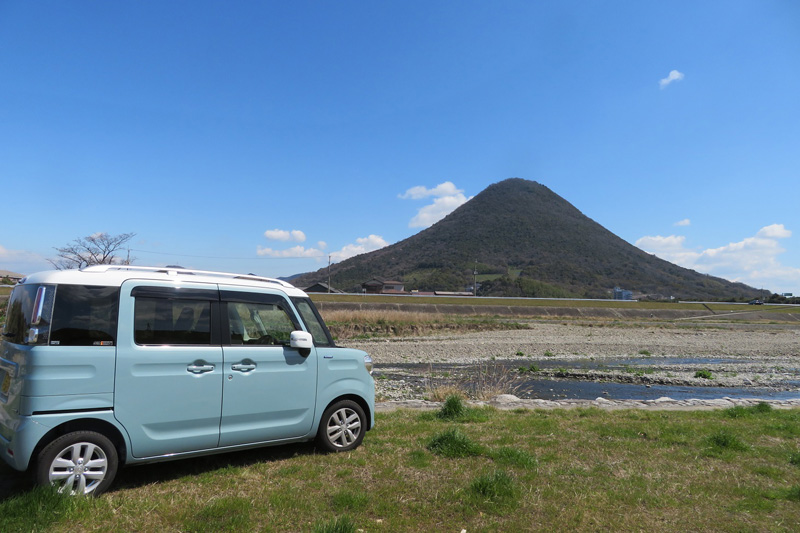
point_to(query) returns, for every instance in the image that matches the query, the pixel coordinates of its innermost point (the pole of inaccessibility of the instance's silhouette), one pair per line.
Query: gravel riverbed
(739, 356)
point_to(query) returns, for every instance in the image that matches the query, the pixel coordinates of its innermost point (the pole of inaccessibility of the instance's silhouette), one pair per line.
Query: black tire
(82, 463)
(342, 427)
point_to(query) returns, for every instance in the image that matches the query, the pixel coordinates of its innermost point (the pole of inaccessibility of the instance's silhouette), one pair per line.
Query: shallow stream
(618, 381)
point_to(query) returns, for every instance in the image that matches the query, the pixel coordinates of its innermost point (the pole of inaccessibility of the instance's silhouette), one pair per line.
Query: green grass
(521, 470)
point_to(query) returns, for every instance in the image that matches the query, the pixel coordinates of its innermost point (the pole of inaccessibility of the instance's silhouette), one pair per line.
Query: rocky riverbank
(739, 356)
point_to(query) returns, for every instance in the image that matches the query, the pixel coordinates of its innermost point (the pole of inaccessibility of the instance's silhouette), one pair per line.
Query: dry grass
(353, 324)
(483, 382)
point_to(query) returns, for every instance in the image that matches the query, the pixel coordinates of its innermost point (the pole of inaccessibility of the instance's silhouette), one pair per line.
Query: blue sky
(265, 136)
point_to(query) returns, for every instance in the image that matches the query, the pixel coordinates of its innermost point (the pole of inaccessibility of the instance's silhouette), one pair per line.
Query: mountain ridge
(525, 240)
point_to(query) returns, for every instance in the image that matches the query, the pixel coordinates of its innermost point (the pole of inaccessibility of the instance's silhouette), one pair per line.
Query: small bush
(453, 443)
(548, 353)
(704, 374)
(645, 352)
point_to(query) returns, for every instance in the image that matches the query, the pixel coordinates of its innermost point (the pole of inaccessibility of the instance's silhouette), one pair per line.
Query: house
(14, 277)
(321, 287)
(380, 286)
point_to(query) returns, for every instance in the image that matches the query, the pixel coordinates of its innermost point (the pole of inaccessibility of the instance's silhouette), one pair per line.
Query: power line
(222, 256)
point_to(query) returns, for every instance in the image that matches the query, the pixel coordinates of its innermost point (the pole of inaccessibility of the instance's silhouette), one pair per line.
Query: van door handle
(196, 368)
(243, 367)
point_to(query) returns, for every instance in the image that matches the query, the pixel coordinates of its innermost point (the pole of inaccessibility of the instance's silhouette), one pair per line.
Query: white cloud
(775, 231)
(362, 246)
(22, 261)
(684, 222)
(447, 198)
(673, 75)
(753, 260)
(294, 252)
(283, 235)
(419, 192)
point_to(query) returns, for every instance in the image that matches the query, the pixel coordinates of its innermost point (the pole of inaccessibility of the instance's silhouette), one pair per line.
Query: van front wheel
(79, 463)
(342, 427)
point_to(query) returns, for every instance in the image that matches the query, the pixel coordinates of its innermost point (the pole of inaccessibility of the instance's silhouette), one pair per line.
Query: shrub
(704, 374)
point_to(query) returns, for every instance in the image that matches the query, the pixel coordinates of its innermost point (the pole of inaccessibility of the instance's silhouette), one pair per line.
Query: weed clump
(497, 488)
(453, 443)
(452, 409)
(725, 441)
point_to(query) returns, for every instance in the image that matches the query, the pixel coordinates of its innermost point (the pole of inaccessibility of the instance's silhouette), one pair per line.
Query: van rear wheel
(81, 463)
(342, 427)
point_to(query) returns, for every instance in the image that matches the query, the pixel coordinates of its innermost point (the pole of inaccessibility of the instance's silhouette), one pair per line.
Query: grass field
(473, 469)
(544, 302)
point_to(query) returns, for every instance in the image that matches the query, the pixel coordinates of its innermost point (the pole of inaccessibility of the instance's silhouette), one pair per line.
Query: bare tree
(97, 249)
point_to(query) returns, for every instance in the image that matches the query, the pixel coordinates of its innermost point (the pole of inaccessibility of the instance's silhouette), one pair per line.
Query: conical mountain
(524, 240)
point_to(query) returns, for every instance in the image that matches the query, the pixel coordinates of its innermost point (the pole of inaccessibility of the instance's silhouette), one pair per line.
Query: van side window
(172, 321)
(259, 323)
(85, 315)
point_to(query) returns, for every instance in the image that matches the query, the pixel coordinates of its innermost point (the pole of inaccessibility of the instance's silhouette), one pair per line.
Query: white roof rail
(172, 271)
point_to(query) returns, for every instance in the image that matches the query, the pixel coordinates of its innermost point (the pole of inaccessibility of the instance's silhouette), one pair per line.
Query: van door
(168, 391)
(269, 389)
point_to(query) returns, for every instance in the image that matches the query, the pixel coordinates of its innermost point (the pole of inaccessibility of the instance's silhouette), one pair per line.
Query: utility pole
(475, 279)
(329, 273)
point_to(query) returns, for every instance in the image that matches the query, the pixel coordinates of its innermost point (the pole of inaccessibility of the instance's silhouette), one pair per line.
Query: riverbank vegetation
(469, 468)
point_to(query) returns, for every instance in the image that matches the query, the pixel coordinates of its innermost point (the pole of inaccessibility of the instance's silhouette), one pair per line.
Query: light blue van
(114, 365)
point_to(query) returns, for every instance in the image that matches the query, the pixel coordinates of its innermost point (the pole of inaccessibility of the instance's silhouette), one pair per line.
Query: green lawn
(479, 470)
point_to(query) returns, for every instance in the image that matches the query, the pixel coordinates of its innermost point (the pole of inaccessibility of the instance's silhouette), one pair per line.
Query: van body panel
(163, 405)
(68, 370)
(72, 402)
(273, 401)
(342, 373)
(18, 451)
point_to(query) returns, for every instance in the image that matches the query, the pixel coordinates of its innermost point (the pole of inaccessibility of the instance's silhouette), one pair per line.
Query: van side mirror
(301, 341)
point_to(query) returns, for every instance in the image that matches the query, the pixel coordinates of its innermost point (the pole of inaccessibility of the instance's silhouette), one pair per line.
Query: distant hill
(525, 240)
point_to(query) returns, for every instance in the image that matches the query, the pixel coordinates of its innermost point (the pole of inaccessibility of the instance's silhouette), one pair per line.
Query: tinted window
(313, 321)
(85, 316)
(172, 321)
